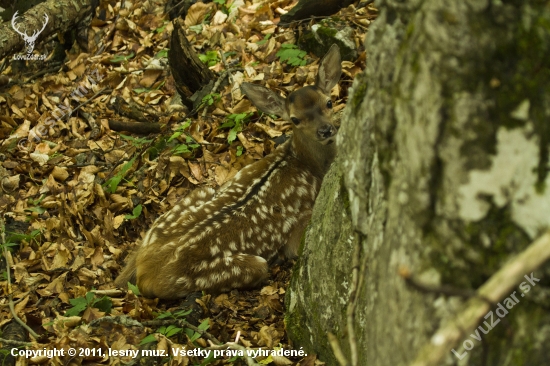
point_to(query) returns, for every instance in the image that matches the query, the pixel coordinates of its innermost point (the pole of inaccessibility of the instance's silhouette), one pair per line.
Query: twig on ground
(11, 342)
(104, 90)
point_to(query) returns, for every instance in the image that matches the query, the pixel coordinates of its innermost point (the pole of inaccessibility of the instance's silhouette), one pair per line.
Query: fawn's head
(308, 108)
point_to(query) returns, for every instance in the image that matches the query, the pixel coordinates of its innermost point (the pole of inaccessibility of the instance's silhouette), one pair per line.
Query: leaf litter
(76, 200)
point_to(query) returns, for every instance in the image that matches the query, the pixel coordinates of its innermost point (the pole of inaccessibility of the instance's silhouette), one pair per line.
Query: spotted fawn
(221, 240)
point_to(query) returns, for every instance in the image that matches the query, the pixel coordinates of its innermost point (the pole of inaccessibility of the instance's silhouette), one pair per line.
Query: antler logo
(29, 40)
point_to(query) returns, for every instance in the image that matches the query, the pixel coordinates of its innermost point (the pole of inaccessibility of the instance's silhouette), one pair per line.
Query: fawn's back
(219, 240)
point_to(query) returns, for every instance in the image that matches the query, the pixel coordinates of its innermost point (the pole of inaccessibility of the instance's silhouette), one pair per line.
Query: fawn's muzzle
(326, 131)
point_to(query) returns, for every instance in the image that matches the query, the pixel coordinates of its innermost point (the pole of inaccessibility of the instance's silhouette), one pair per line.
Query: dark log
(135, 127)
(308, 8)
(190, 73)
(133, 111)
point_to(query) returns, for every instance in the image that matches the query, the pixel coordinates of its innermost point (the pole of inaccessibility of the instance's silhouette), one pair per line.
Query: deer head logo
(29, 40)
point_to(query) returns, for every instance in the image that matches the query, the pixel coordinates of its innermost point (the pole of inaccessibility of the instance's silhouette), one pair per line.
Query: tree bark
(442, 177)
(189, 72)
(62, 15)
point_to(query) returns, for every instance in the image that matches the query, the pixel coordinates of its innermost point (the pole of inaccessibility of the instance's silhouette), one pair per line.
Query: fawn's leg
(215, 275)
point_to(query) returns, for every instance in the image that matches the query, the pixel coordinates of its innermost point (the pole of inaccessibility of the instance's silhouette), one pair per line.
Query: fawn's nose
(326, 131)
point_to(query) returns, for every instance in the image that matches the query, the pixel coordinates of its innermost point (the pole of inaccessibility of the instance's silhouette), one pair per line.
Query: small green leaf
(210, 58)
(193, 336)
(79, 305)
(165, 315)
(141, 90)
(263, 41)
(162, 28)
(204, 325)
(114, 181)
(134, 289)
(266, 361)
(172, 330)
(181, 149)
(150, 338)
(175, 135)
(162, 54)
(37, 209)
(239, 150)
(232, 135)
(292, 55)
(104, 304)
(196, 28)
(182, 313)
(121, 58)
(135, 213)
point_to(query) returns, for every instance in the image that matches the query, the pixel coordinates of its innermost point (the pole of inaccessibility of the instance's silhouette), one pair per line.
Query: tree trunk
(61, 15)
(442, 174)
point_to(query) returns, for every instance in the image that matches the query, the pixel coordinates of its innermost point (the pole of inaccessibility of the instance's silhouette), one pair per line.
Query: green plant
(13, 238)
(193, 336)
(210, 99)
(80, 304)
(210, 58)
(292, 55)
(118, 59)
(190, 144)
(162, 53)
(181, 314)
(136, 142)
(196, 28)
(135, 213)
(235, 122)
(134, 289)
(223, 5)
(162, 27)
(171, 330)
(38, 209)
(264, 41)
(113, 182)
(188, 147)
(240, 150)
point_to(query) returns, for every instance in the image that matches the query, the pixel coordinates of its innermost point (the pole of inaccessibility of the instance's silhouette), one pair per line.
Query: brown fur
(217, 241)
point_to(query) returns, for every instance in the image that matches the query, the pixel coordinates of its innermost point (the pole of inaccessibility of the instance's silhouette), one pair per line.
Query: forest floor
(76, 202)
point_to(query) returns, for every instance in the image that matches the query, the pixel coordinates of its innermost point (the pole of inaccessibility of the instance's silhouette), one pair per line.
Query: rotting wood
(62, 15)
(189, 73)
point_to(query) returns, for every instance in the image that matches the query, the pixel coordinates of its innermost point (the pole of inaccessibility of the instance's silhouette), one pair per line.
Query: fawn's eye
(295, 120)
(329, 104)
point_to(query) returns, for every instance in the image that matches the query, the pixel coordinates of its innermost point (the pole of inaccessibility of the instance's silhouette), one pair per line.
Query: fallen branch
(134, 127)
(62, 15)
(11, 342)
(473, 311)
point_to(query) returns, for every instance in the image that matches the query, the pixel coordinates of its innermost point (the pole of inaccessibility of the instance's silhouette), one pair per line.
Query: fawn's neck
(312, 153)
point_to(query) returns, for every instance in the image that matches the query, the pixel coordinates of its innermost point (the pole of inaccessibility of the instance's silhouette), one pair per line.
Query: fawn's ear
(265, 99)
(330, 70)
